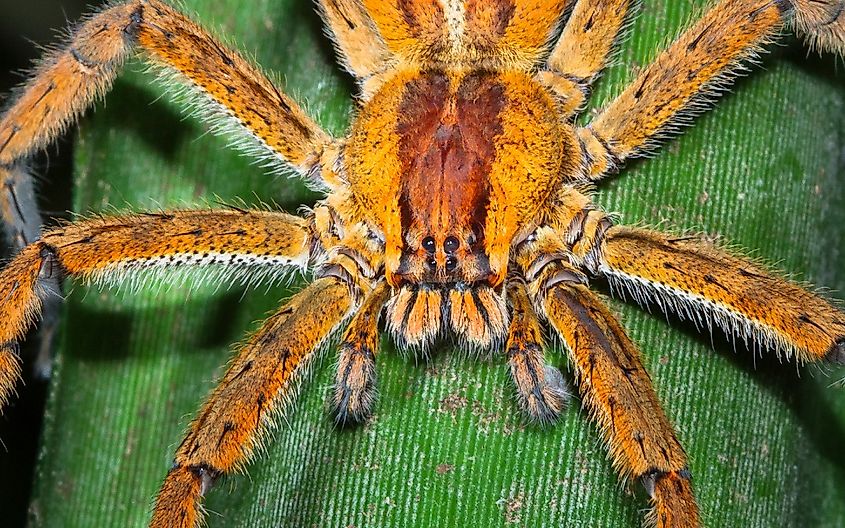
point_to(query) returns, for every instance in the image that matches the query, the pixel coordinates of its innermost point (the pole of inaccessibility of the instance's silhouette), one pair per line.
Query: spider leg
(540, 389)
(583, 49)
(260, 382)
(685, 275)
(614, 384)
(617, 390)
(231, 90)
(822, 22)
(362, 50)
(107, 249)
(693, 69)
(354, 389)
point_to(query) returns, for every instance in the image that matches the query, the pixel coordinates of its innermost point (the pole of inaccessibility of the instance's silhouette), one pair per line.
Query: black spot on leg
(639, 438)
(18, 209)
(710, 279)
(196, 232)
(260, 408)
(135, 20)
(246, 368)
(749, 274)
(83, 60)
(15, 130)
(805, 319)
(611, 402)
(629, 371)
(50, 88)
(228, 427)
(694, 43)
(641, 88)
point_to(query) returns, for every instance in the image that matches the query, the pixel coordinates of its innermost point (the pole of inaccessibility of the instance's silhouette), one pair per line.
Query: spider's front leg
(229, 89)
(697, 67)
(614, 384)
(108, 249)
(261, 380)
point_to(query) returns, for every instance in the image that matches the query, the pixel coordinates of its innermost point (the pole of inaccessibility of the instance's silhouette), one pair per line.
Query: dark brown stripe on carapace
(447, 148)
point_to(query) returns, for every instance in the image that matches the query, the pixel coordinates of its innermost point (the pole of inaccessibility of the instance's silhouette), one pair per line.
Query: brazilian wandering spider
(481, 297)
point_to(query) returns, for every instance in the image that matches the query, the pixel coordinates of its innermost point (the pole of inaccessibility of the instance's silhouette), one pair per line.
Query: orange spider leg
(540, 388)
(618, 391)
(354, 390)
(503, 34)
(236, 93)
(583, 49)
(696, 66)
(260, 382)
(690, 277)
(483, 34)
(106, 249)
(362, 51)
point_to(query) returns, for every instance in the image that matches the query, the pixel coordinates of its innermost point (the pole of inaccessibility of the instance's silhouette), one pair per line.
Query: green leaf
(448, 446)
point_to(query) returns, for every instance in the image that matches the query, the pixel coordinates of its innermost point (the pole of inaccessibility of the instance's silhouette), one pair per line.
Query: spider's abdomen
(452, 166)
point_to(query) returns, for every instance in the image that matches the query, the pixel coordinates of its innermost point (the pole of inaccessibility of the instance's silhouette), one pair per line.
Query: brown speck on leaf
(444, 468)
(452, 403)
(512, 508)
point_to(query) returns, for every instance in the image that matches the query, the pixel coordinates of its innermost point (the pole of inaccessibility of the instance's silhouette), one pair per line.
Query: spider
(458, 206)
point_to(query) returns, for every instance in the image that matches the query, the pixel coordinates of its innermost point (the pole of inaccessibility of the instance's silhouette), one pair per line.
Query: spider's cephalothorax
(469, 161)
(457, 204)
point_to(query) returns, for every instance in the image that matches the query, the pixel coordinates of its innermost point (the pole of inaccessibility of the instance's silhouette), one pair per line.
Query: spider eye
(432, 262)
(451, 263)
(428, 244)
(451, 245)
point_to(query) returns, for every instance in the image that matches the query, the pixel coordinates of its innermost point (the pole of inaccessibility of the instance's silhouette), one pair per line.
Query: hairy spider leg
(619, 394)
(541, 391)
(822, 22)
(261, 381)
(692, 70)
(355, 381)
(691, 278)
(583, 49)
(109, 249)
(233, 91)
(360, 47)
